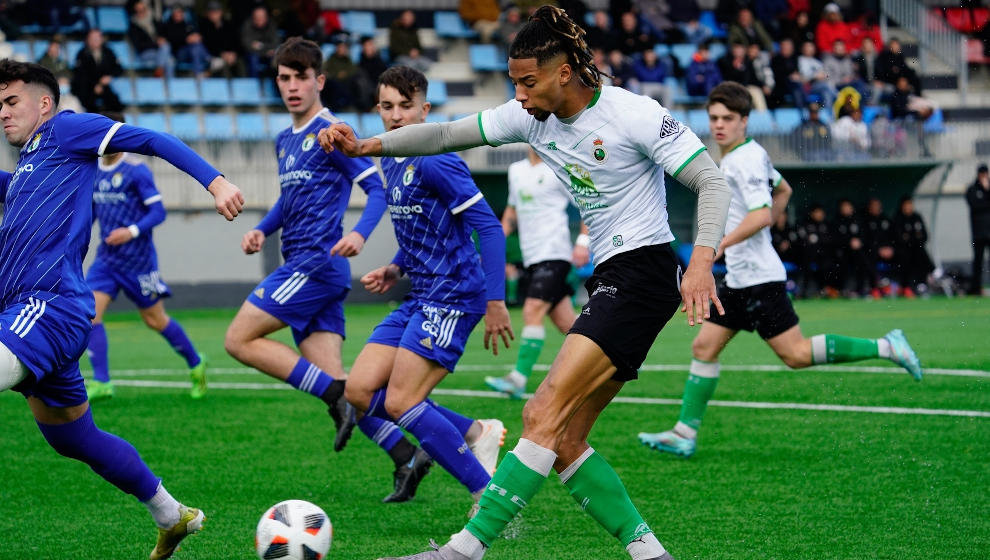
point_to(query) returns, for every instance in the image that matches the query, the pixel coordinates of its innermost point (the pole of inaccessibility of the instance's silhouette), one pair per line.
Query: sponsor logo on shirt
(583, 188)
(599, 151)
(117, 179)
(396, 194)
(609, 291)
(295, 175)
(308, 142)
(290, 161)
(552, 146)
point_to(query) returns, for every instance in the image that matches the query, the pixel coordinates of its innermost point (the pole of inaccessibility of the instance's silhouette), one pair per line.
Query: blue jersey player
(45, 304)
(434, 205)
(128, 206)
(307, 292)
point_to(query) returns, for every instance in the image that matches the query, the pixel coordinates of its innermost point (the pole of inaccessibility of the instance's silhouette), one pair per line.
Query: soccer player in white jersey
(45, 304)
(610, 147)
(537, 209)
(307, 292)
(755, 296)
(434, 206)
(128, 206)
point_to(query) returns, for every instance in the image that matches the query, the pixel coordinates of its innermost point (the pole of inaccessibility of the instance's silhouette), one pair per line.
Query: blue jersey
(48, 203)
(123, 193)
(315, 190)
(426, 195)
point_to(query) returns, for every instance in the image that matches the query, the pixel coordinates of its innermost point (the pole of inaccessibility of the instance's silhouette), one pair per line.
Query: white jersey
(611, 157)
(751, 178)
(541, 204)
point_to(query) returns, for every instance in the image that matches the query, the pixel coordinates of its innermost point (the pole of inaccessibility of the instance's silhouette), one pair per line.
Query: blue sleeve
(480, 217)
(4, 182)
(89, 135)
(272, 220)
(154, 216)
(399, 260)
(449, 175)
(370, 182)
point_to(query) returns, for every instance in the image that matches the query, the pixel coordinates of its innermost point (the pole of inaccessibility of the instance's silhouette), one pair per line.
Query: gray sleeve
(432, 138)
(703, 177)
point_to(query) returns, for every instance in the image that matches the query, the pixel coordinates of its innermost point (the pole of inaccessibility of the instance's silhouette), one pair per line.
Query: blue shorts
(434, 332)
(48, 335)
(306, 301)
(143, 288)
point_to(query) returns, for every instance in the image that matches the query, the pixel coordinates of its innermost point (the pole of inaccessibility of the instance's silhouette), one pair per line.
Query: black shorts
(764, 308)
(632, 296)
(548, 281)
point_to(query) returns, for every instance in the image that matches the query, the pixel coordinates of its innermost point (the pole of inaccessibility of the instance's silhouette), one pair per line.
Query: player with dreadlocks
(610, 148)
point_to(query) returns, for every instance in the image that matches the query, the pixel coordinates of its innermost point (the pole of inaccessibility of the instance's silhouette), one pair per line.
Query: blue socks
(461, 422)
(97, 352)
(309, 378)
(108, 455)
(175, 336)
(383, 432)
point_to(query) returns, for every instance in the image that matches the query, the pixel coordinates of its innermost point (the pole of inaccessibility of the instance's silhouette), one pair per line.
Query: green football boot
(198, 377)
(190, 521)
(98, 390)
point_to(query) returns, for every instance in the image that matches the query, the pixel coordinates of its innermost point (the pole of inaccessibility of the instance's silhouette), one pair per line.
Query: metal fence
(935, 37)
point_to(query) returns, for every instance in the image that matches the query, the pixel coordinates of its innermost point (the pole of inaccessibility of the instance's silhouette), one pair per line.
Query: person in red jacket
(830, 28)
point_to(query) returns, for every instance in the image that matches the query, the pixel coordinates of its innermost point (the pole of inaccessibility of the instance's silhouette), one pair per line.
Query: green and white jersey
(611, 157)
(748, 171)
(541, 201)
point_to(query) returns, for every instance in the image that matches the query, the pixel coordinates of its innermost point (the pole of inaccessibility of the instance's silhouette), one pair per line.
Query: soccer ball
(293, 530)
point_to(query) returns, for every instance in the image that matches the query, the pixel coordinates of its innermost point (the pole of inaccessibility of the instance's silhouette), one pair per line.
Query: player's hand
(227, 197)
(253, 241)
(349, 245)
(341, 137)
(497, 324)
(381, 280)
(580, 256)
(698, 287)
(118, 236)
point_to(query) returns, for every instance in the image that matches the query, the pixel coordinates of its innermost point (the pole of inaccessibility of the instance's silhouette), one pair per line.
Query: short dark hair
(404, 79)
(299, 54)
(733, 95)
(29, 73)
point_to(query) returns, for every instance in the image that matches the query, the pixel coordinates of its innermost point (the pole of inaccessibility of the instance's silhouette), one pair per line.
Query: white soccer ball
(293, 530)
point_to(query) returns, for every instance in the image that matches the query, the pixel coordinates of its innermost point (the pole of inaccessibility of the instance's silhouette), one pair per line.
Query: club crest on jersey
(599, 151)
(308, 142)
(34, 142)
(669, 127)
(396, 194)
(290, 161)
(407, 177)
(117, 179)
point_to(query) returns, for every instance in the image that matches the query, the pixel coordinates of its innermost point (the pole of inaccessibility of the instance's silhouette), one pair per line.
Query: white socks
(883, 348)
(645, 548)
(164, 508)
(467, 544)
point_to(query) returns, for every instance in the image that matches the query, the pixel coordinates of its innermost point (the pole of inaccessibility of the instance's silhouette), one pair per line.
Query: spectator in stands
(771, 13)
(693, 32)
(788, 89)
(623, 75)
(510, 24)
(95, 67)
(812, 138)
(683, 11)
(978, 199)
(598, 34)
(8, 24)
(851, 137)
(787, 243)
(59, 15)
(371, 61)
(630, 38)
(814, 77)
(853, 266)
(831, 28)
(904, 102)
(403, 36)
(818, 242)
(220, 40)
(863, 29)
(347, 87)
(53, 60)
(702, 74)
(259, 39)
(480, 15)
(745, 30)
(841, 70)
(151, 47)
(736, 67)
(760, 61)
(186, 42)
(599, 59)
(912, 260)
(798, 29)
(879, 241)
(865, 64)
(891, 65)
(650, 73)
(654, 15)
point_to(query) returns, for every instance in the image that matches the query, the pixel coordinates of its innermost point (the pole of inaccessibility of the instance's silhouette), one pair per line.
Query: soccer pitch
(850, 462)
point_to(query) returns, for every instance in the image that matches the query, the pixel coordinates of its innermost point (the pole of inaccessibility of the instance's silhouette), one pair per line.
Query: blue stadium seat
(359, 23)
(22, 50)
(123, 53)
(436, 93)
(662, 49)
(72, 49)
(351, 119)
(154, 121)
(251, 126)
(788, 118)
(277, 122)
(680, 115)
(218, 126)
(38, 48)
(760, 122)
(436, 117)
(683, 52)
(124, 89)
(269, 93)
(90, 15)
(697, 120)
(708, 20)
(183, 91)
(486, 58)
(186, 126)
(449, 25)
(327, 49)
(245, 91)
(214, 91)
(371, 124)
(935, 123)
(149, 91)
(871, 112)
(112, 19)
(716, 51)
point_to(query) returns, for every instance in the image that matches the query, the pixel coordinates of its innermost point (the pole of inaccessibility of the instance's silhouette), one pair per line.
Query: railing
(934, 36)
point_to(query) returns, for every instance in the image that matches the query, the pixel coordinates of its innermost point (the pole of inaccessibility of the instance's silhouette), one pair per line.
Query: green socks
(600, 493)
(529, 349)
(698, 390)
(835, 348)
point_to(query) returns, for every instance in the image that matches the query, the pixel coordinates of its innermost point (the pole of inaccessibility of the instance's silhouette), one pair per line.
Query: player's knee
(702, 350)
(233, 344)
(397, 405)
(793, 358)
(357, 395)
(155, 321)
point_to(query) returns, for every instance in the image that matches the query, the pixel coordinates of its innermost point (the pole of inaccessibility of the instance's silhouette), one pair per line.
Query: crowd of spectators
(855, 253)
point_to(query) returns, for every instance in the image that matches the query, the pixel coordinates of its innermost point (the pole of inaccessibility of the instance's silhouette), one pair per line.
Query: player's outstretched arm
(340, 136)
(414, 140)
(227, 198)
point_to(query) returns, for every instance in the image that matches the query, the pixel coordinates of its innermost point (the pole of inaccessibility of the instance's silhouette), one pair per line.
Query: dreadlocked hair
(549, 32)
